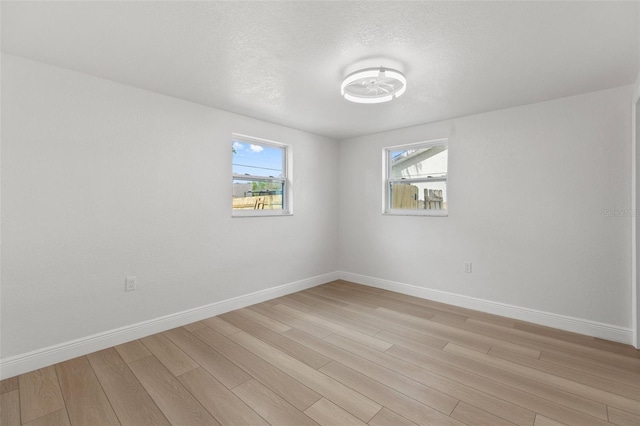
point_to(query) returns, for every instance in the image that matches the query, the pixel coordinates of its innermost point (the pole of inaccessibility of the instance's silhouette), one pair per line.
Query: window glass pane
(257, 160)
(257, 195)
(418, 162)
(418, 195)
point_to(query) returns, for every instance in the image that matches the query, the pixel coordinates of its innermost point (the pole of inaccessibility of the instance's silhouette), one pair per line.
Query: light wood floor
(339, 354)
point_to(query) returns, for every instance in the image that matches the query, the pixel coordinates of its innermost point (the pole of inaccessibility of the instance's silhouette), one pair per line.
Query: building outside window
(416, 179)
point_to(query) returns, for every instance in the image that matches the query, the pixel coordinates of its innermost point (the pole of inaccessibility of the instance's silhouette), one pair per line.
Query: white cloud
(238, 146)
(256, 148)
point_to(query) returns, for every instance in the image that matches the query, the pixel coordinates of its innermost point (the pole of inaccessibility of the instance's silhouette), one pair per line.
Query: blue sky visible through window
(257, 160)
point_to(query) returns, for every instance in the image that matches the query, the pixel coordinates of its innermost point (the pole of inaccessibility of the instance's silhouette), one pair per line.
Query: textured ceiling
(283, 61)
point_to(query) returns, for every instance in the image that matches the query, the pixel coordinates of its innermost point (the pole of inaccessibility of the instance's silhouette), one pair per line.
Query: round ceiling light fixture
(373, 85)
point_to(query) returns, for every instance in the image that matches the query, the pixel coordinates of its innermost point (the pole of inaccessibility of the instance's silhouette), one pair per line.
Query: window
(260, 177)
(416, 179)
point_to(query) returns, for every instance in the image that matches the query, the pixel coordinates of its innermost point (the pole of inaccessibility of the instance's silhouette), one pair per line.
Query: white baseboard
(562, 322)
(39, 358)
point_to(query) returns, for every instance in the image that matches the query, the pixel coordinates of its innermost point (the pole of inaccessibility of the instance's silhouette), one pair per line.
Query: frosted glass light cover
(373, 85)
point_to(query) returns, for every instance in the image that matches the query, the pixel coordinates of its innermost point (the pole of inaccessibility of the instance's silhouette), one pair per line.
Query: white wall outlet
(467, 267)
(130, 284)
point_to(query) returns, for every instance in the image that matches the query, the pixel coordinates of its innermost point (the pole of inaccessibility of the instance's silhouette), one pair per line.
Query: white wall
(528, 190)
(101, 181)
(635, 108)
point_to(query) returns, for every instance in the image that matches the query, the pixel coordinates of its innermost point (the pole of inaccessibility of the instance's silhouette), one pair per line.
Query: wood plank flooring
(339, 354)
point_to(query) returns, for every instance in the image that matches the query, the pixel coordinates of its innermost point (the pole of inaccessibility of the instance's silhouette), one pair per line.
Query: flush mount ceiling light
(373, 85)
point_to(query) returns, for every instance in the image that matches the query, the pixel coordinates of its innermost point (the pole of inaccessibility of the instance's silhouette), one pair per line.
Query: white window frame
(387, 180)
(287, 193)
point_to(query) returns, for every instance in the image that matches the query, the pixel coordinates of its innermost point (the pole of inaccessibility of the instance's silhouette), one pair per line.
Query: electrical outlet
(130, 284)
(467, 267)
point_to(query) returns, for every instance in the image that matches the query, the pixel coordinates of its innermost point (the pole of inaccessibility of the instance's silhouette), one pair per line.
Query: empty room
(319, 213)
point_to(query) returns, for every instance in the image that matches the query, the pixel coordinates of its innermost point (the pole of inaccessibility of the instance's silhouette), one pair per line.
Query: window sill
(260, 213)
(431, 213)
